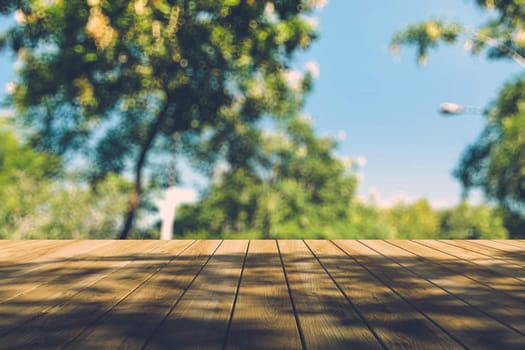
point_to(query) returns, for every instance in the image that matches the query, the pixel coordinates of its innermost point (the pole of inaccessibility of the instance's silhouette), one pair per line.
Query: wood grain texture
(493, 303)
(262, 294)
(130, 322)
(8, 242)
(4, 244)
(63, 282)
(395, 321)
(23, 276)
(515, 242)
(508, 268)
(327, 319)
(263, 317)
(489, 252)
(200, 318)
(498, 278)
(504, 245)
(67, 319)
(519, 254)
(29, 251)
(465, 324)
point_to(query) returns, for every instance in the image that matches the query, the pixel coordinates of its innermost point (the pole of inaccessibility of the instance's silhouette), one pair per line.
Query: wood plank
(499, 252)
(491, 302)
(489, 252)
(64, 281)
(129, 323)
(26, 257)
(263, 317)
(29, 251)
(24, 276)
(511, 286)
(520, 243)
(66, 321)
(395, 321)
(503, 245)
(200, 319)
(326, 318)
(503, 267)
(5, 243)
(464, 323)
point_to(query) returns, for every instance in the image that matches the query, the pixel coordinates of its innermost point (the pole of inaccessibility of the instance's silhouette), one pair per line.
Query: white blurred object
(360, 161)
(10, 88)
(173, 197)
(313, 68)
(449, 109)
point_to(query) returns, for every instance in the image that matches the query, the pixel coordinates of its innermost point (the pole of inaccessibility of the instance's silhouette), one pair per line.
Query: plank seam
(155, 330)
(477, 252)
(461, 273)
(507, 242)
(54, 261)
(126, 295)
(354, 307)
(44, 312)
(294, 309)
(496, 248)
(230, 320)
(46, 249)
(453, 337)
(448, 292)
(471, 262)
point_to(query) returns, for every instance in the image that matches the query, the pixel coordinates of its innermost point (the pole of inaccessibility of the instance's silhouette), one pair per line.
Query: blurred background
(262, 119)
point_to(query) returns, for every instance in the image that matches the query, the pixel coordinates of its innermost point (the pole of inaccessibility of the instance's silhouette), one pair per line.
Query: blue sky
(388, 107)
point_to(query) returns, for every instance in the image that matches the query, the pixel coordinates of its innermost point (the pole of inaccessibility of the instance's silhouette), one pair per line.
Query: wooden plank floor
(216, 294)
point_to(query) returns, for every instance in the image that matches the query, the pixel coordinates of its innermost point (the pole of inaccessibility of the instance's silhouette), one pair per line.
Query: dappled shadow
(164, 300)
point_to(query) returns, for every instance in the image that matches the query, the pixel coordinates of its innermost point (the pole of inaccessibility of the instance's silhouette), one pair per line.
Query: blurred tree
(40, 201)
(468, 222)
(412, 221)
(21, 169)
(496, 161)
(503, 35)
(297, 189)
(116, 80)
(367, 221)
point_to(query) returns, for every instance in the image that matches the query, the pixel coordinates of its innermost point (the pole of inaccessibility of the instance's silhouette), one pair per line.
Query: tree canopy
(299, 188)
(116, 80)
(502, 36)
(495, 162)
(41, 200)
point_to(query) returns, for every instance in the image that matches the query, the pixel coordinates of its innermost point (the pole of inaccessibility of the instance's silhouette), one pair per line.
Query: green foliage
(40, 201)
(44, 209)
(22, 178)
(496, 161)
(503, 35)
(467, 222)
(299, 189)
(76, 212)
(116, 80)
(426, 35)
(412, 221)
(366, 221)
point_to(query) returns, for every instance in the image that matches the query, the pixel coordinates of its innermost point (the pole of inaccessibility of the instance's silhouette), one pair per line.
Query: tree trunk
(134, 203)
(267, 226)
(134, 200)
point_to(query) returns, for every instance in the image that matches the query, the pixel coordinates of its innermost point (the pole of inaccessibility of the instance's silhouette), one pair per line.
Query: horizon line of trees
(118, 86)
